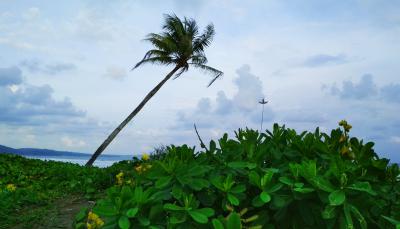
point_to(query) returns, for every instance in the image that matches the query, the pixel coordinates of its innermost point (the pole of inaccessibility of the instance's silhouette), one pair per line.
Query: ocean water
(101, 162)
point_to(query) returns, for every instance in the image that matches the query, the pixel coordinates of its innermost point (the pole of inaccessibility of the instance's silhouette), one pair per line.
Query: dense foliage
(31, 183)
(278, 179)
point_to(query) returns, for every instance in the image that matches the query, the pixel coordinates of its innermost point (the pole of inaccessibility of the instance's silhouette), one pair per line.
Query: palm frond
(179, 43)
(205, 39)
(207, 69)
(155, 60)
(161, 42)
(173, 25)
(156, 53)
(199, 59)
(183, 69)
(191, 28)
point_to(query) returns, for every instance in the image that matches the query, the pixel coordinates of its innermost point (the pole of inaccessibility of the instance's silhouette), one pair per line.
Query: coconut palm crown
(181, 45)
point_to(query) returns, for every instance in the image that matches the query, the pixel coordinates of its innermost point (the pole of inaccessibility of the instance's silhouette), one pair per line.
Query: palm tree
(180, 45)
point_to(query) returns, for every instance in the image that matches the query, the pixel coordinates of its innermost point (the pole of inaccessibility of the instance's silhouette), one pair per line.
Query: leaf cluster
(276, 179)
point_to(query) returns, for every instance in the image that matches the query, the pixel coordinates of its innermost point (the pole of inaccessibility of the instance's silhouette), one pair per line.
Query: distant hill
(50, 153)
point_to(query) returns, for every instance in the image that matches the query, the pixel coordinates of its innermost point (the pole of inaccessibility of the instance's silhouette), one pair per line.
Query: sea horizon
(100, 162)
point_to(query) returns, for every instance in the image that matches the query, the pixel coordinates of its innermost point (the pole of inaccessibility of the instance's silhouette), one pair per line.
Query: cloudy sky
(65, 79)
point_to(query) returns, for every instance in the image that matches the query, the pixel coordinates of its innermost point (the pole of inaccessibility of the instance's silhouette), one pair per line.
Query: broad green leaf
(233, 199)
(254, 178)
(265, 197)
(381, 163)
(144, 221)
(257, 202)
(337, 198)
(217, 182)
(80, 226)
(217, 224)
(266, 179)
(279, 201)
(239, 188)
(322, 184)
(251, 165)
(126, 194)
(139, 194)
(163, 182)
(304, 190)
(161, 195)
(308, 169)
(298, 185)
(233, 221)
(175, 220)
(347, 216)
(363, 187)
(81, 215)
(123, 222)
(155, 227)
(105, 210)
(176, 192)
(273, 188)
(198, 184)
(132, 212)
(195, 170)
(237, 164)
(359, 216)
(286, 180)
(198, 216)
(173, 207)
(391, 220)
(206, 211)
(329, 212)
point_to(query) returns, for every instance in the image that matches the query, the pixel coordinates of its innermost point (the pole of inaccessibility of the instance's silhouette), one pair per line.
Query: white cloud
(31, 14)
(18, 44)
(30, 139)
(395, 139)
(92, 26)
(36, 66)
(72, 143)
(364, 89)
(241, 110)
(273, 36)
(116, 73)
(325, 59)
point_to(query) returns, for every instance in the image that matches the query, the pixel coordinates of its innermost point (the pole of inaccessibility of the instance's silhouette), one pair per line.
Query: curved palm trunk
(129, 118)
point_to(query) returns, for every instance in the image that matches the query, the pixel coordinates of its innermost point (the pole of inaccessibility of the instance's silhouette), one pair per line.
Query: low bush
(26, 184)
(278, 179)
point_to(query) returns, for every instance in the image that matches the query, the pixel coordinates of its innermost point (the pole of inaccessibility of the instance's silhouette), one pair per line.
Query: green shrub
(278, 179)
(31, 183)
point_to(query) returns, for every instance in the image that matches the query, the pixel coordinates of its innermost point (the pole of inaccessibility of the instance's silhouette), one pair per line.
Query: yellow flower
(11, 187)
(94, 221)
(347, 127)
(99, 222)
(143, 168)
(345, 150)
(120, 178)
(120, 175)
(145, 157)
(138, 168)
(343, 123)
(342, 138)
